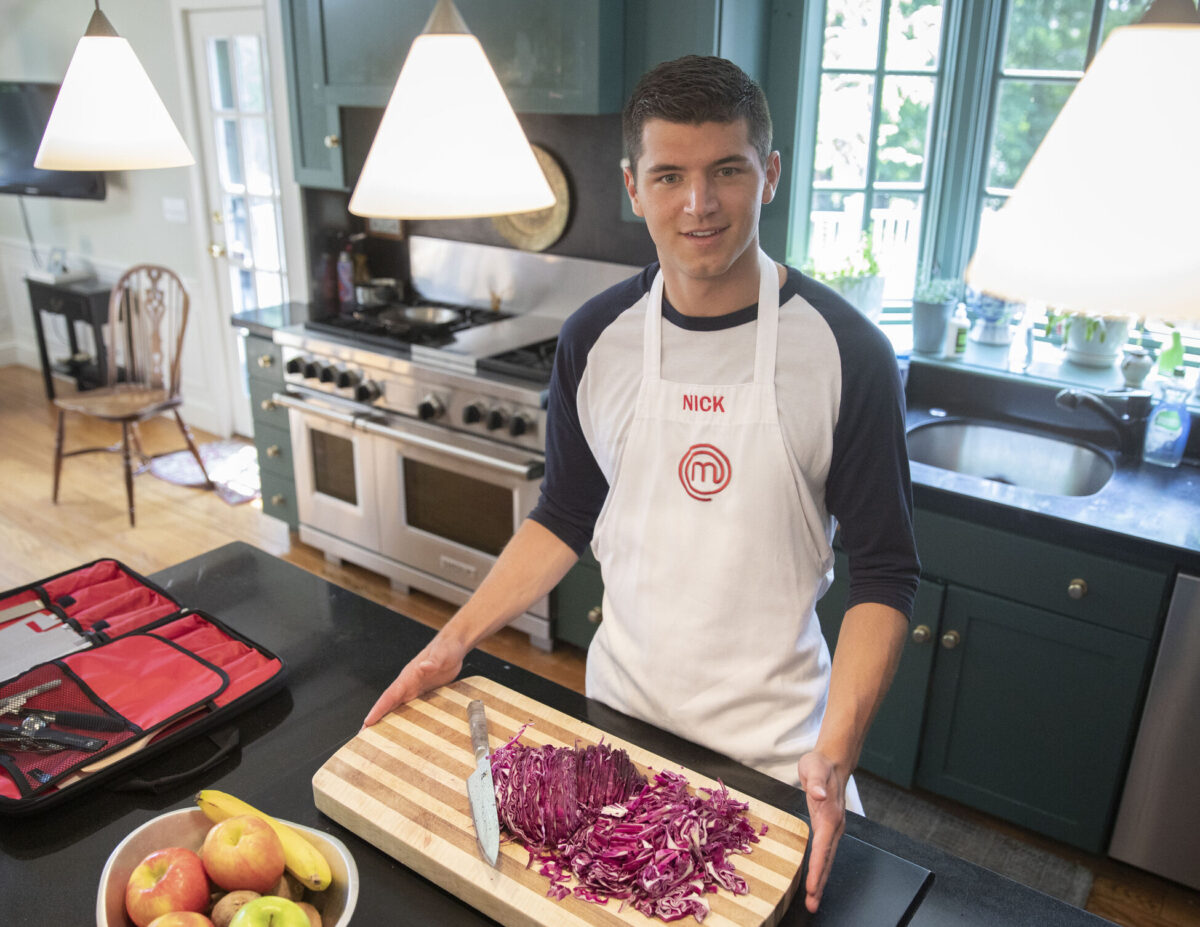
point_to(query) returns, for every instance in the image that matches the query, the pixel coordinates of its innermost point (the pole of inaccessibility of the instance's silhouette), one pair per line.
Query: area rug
(231, 465)
(922, 820)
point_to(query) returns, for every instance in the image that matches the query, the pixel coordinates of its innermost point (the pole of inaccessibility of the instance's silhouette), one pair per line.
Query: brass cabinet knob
(950, 640)
(1077, 588)
(216, 250)
(277, 500)
(595, 615)
(332, 141)
(267, 405)
(265, 360)
(274, 451)
(921, 634)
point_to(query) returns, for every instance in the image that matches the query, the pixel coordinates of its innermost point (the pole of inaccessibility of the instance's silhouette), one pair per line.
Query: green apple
(270, 911)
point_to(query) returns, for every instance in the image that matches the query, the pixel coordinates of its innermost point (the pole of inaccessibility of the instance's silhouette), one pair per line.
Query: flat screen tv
(24, 111)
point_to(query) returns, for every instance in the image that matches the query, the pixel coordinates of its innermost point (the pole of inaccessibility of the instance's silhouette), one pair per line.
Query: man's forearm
(531, 564)
(868, 650)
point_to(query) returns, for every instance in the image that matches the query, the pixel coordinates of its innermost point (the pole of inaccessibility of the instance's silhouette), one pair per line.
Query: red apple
(181, 919)
(243, 852)
(270, 911)
(168, 880)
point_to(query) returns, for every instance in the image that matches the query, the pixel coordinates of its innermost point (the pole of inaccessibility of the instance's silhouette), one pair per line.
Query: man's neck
(718, 296)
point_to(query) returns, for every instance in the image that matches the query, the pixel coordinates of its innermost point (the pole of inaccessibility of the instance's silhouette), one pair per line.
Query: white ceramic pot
(863, 293)
(1092, 341)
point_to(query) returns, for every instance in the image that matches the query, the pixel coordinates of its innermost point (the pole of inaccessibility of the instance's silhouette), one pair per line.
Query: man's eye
(668, 178)
(728, 171)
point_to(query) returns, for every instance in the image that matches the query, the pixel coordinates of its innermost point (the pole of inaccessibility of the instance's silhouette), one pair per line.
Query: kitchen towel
(232, 466)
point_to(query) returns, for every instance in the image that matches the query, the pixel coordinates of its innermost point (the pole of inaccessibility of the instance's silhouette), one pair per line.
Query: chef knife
(480, 790)
(34, 730)
(85, 720)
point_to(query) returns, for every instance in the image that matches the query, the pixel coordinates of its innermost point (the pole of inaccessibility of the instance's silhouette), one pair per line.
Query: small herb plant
(861, 262)
(936, 290)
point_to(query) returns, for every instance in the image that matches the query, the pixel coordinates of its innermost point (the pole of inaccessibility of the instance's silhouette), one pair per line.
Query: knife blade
(14, 703)
(480, 790)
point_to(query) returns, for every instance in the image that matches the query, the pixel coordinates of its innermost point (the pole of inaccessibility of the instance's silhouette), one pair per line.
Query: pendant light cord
(37, 261)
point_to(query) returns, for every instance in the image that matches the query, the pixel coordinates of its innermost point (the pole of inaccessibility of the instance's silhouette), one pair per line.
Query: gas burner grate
(533, 362)
(380, 327)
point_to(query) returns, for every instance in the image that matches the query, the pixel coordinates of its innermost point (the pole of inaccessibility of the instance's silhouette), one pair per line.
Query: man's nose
(702, 198)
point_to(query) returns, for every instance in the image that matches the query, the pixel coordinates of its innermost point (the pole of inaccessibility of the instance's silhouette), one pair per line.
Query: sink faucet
(1125, 425)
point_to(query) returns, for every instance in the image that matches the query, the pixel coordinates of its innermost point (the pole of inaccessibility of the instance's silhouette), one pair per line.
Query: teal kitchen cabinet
(661, 30)
(892, 746)
(272, 438)
(576, 602)
(550, 57)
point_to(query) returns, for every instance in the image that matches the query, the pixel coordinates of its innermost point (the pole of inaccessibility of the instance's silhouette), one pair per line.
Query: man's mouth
(703, 233)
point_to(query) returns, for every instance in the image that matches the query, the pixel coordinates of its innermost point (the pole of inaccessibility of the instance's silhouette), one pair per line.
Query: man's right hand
(439, 663)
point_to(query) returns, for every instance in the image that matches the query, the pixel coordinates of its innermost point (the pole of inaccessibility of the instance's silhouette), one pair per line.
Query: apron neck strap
(767, 328)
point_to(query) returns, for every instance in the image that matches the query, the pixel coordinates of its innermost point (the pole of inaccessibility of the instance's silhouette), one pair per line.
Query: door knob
(950, 640)
(595, 615)
(921, 634)
(216, 250)
(1077, 588)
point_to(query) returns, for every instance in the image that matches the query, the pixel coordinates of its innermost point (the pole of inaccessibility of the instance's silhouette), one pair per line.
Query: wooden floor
(175, 523)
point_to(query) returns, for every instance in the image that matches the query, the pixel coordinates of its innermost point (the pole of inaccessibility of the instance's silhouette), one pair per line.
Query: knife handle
(84, 720)
(477, 721)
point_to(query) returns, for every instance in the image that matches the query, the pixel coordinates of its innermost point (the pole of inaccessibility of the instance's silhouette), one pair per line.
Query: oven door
(335, 471)
(449, 502)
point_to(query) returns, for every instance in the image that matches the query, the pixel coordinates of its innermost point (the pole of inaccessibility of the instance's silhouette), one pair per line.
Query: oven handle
(530, 470)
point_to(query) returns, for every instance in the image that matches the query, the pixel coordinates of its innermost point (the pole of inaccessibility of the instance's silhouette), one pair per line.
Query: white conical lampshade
(1103, 220)
(108, 116)
(449, 145)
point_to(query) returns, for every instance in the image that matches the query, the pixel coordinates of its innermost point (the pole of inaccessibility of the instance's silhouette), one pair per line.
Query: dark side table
(82, 301)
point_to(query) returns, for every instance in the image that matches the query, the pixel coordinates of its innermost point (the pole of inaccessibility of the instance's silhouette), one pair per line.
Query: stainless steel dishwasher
(1158, 823)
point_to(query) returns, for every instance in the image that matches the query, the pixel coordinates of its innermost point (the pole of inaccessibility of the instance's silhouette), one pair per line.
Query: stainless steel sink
(1006, 455)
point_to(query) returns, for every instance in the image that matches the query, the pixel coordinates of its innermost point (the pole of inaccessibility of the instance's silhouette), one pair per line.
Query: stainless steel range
(418, 431)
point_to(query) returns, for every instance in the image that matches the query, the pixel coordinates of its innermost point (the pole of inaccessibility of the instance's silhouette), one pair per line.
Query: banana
(302, 859)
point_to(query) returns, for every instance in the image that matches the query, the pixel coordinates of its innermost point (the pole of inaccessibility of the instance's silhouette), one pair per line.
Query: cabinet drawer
(261, 406)
(274, 449)
(575, 604)
(279, 497)
(1095, 589)
(264, 360)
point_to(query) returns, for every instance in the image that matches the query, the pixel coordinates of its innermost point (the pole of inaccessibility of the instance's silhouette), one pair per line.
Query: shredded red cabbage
(589, 813)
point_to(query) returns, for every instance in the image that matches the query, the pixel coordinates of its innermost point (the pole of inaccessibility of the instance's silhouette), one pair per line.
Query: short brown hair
(691, 90)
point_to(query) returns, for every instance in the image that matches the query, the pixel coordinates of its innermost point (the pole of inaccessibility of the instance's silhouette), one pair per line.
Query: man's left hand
(825, 789)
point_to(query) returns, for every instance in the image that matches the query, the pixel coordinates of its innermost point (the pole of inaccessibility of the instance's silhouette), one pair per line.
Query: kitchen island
(341, 651)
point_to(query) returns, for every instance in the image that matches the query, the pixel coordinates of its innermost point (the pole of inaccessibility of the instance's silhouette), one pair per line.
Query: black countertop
(341, 651)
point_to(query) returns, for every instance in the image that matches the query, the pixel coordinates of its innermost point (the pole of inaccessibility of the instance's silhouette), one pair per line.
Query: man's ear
(631, 189)
(773, 172)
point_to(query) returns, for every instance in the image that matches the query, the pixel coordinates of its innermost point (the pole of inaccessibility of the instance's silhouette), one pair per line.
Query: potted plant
(934, 301)
(856, 277)
(1090, 339)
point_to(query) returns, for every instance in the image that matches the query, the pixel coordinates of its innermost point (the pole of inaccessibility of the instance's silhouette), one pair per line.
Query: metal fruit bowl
(186, 828)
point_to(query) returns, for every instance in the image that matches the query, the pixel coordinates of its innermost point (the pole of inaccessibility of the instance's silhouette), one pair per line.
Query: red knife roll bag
(127, 672)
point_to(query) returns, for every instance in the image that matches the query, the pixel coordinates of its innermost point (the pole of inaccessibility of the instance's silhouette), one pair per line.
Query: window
(927, 113)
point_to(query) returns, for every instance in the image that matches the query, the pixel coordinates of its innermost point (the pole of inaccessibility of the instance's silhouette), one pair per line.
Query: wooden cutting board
(401, 786)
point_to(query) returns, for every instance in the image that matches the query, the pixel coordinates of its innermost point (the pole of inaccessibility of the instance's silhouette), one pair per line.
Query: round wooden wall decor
(538, 230)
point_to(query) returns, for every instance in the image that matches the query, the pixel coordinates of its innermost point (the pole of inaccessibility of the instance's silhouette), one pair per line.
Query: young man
(709, 420)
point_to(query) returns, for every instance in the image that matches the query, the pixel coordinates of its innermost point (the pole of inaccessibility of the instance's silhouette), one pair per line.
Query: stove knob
(295, 365)
(472, 413)
(328, 374)
(347, 378)
(496, 419)
(429, 407)
(367, 391)
(312, 370)
(519, 425)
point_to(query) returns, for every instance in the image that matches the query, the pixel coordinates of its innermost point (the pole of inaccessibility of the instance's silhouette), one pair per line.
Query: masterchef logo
(704, 471)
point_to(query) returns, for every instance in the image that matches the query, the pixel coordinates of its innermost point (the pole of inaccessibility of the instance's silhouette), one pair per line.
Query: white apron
(712, 565)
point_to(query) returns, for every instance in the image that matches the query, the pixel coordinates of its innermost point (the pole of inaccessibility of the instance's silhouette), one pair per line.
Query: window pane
(251, 96)
(914, 35)
(219, 74)
(1024, 113)
(269, 289)
(229, 154)
(835, 227)
(851, 33)
(241, 285)
(266, 238)
(1048, 34)
(903, 133)
(259, 175)
(843, 130)
(237, 230)
(896, 241)
(1121, 13)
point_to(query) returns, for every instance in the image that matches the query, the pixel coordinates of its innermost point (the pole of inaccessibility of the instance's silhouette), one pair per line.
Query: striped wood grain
(401, 785)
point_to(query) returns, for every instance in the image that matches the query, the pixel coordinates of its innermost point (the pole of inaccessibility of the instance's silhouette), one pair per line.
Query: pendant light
(449, 144)
(1103, 218)
(108, 116)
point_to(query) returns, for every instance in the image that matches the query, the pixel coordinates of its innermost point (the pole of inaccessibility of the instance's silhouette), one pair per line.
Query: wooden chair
(147, 316)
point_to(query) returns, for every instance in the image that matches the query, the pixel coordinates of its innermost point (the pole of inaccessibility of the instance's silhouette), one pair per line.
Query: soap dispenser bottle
(1169, 423)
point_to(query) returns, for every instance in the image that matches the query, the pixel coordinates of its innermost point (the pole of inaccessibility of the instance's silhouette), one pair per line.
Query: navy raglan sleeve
(869, 489)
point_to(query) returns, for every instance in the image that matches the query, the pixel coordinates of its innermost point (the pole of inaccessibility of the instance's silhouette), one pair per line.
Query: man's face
(700, 189)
